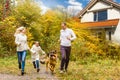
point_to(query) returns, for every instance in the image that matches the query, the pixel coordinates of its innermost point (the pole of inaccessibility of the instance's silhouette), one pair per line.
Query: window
(100, 15)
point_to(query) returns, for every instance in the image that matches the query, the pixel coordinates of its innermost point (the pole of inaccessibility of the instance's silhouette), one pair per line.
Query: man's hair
(36, 42)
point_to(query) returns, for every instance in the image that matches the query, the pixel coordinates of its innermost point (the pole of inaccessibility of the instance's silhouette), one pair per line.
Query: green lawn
(89, 70)
(9, 65)
(84, 69)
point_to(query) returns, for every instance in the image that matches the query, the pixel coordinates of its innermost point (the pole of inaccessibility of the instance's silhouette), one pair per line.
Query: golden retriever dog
(51, 61)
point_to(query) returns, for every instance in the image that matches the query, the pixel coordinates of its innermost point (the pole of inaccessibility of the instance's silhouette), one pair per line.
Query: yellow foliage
(90, 43)
(30, 37)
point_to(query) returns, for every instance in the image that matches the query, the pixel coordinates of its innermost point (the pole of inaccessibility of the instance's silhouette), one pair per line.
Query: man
(66, 36)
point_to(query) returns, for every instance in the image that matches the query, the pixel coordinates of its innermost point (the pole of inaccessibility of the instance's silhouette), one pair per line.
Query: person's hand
(68, 38)
(18, 44)
(29, 48)
(44, 55)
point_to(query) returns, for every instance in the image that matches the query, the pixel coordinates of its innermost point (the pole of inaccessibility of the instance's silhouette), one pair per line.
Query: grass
(84, 69)
(88, 70)
(9, 65)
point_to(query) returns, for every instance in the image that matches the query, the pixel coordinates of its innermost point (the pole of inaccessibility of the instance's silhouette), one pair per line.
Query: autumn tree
(27, 13)
(47, 31)
(1, 9)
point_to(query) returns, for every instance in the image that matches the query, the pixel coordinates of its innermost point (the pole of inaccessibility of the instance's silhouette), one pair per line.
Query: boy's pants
(36, 64)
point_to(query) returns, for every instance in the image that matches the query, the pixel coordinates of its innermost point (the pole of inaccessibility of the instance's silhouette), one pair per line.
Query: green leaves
(27, 13)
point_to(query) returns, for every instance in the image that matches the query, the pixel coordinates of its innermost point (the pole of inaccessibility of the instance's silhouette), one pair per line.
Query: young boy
(36, 50)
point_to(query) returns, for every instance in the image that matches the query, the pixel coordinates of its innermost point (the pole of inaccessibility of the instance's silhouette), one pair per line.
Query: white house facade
(100, 11)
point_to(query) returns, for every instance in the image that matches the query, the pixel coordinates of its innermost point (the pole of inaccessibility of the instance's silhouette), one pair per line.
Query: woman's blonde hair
(18, 30)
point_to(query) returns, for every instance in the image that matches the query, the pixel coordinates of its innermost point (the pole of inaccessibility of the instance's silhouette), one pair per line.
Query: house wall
(99, 5)
(112, 37)
(113, 13)
(88, 17)
(116, 36)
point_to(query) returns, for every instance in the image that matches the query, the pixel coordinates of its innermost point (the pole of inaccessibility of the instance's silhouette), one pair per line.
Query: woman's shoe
(22, 73)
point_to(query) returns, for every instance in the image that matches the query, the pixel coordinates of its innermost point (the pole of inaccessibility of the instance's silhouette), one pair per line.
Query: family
(66, 36)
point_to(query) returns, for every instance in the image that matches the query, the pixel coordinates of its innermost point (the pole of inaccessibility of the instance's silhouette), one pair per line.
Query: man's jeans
(65, 54)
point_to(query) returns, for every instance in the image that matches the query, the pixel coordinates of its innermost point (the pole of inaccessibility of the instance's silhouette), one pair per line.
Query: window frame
(96, 15)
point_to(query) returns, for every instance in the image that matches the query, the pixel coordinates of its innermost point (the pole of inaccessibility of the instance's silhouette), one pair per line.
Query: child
(36, 49)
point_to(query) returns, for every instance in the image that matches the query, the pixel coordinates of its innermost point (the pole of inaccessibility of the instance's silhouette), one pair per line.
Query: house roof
(101, 24)
(93, 2)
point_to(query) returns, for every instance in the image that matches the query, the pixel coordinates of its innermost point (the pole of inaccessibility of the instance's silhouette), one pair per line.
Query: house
(101, 16)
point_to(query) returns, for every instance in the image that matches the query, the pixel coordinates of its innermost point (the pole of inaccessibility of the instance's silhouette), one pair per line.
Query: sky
(69, 5)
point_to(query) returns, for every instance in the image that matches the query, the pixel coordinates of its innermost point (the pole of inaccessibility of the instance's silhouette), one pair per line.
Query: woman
(22, 47)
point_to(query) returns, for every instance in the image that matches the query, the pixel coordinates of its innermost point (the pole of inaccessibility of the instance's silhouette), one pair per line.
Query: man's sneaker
(61, 72)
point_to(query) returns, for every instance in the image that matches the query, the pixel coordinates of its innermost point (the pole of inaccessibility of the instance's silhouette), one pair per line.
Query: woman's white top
(35, 51)
(21, 41)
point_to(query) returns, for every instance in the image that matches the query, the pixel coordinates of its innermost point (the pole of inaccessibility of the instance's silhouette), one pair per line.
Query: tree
(27, 13)
(47, 32)
(1, 9)
(7, 29)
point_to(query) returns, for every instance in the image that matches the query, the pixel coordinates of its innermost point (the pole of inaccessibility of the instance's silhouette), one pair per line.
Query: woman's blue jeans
(21, 59)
